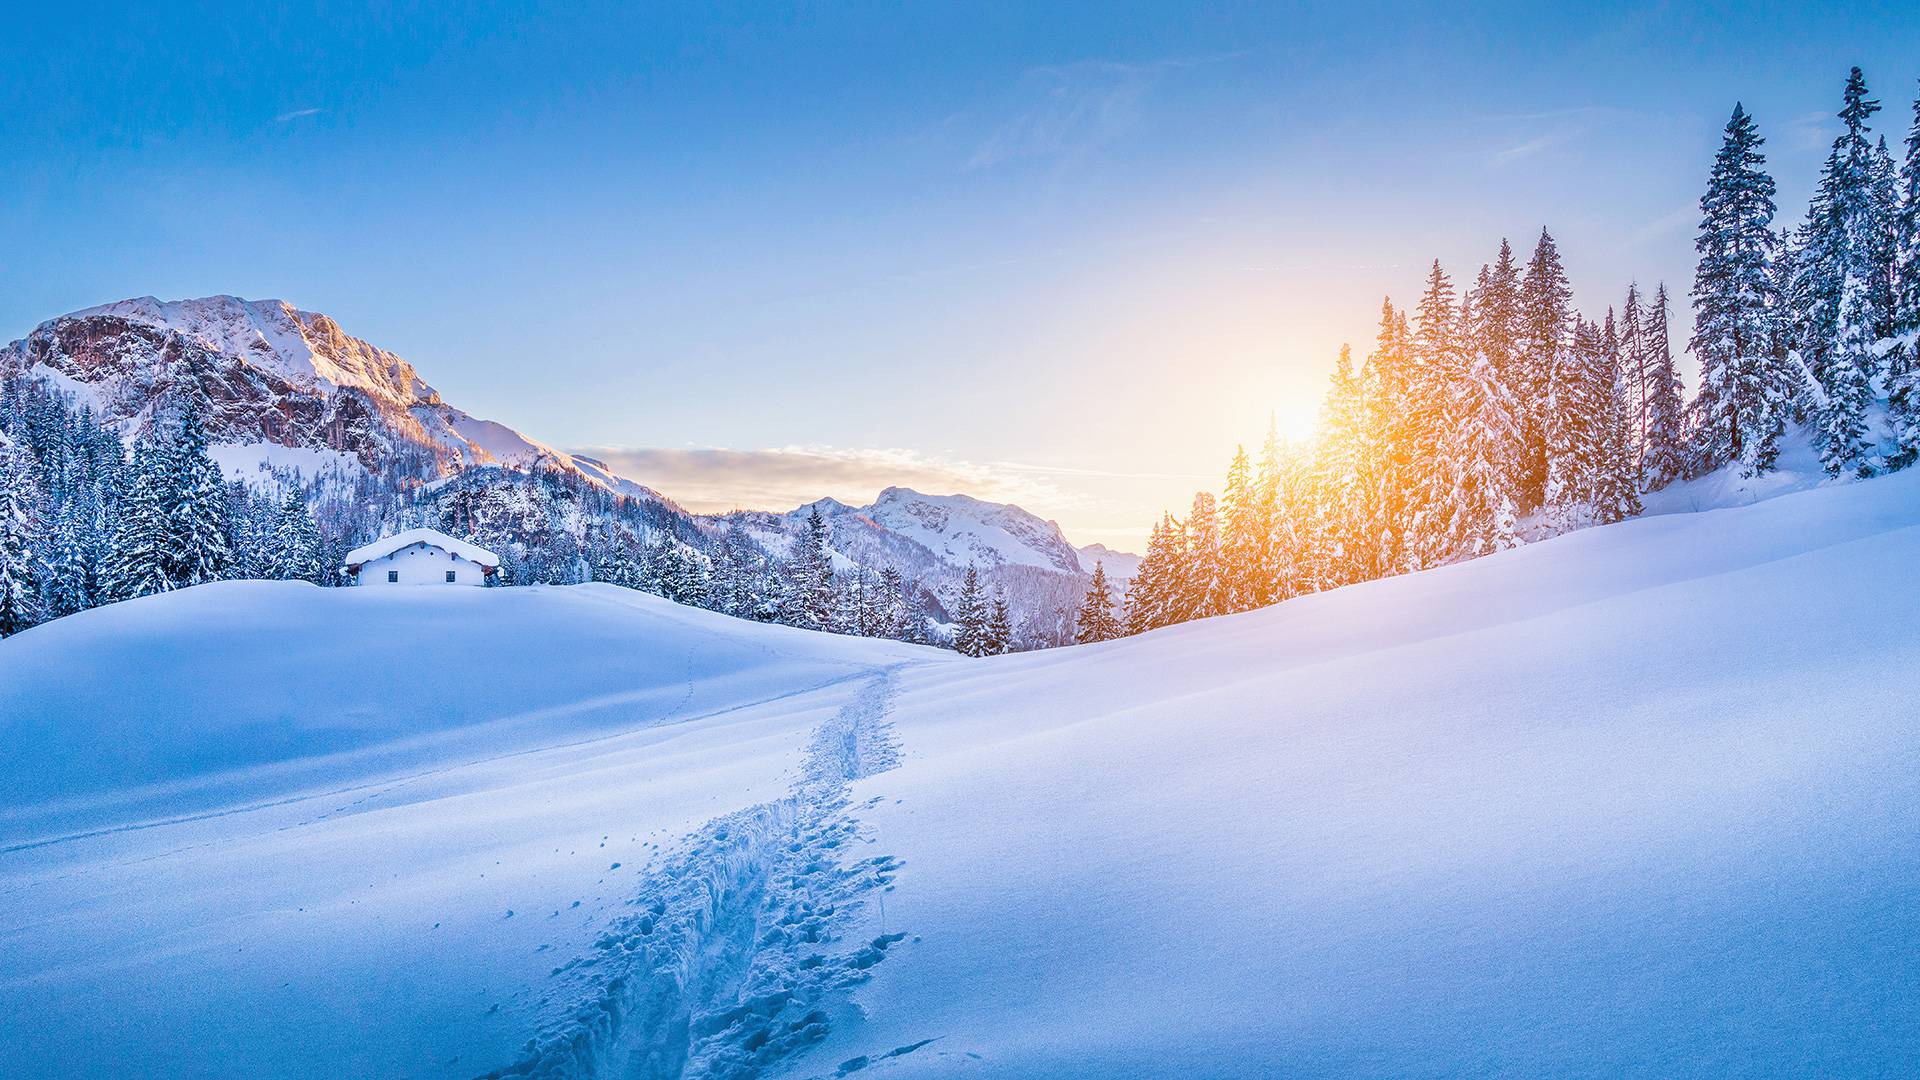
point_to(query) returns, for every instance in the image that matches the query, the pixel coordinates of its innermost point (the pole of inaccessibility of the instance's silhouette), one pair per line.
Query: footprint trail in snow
(732, 955)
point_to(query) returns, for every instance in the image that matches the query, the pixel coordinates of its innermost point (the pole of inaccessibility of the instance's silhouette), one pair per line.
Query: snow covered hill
(285, 387)
(1633, 801)
(265, 829)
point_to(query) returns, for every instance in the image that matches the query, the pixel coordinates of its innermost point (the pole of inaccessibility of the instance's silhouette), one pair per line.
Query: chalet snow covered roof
(387, 545)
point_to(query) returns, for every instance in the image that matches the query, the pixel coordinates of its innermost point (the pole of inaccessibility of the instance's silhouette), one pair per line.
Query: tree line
(1480, 418)
(1503, 414)
(87, 520)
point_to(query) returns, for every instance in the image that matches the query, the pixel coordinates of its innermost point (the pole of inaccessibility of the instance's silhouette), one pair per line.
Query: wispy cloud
(1584, 114)
(1675, 220)
(1072, 110)
(1531, 147)
(1068, 110)
(1809, 131)
(1544, 131)
(296, 114)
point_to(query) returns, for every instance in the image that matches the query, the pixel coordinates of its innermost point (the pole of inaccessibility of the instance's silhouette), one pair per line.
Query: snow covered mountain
(1637, 800)
(284, 386)
(952, 531)
(933, 539)
(289, 390)
(1120, 565)
(959, 530)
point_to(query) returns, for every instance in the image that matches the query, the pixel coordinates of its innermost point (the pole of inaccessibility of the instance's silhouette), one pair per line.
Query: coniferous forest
(1489, 413)
(1496, 413)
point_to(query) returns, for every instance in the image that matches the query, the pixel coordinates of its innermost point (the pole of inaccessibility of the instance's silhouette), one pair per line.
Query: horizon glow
(1007, 250)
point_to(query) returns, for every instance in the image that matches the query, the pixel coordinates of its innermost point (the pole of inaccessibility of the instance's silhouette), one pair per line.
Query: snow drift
(1634, 801)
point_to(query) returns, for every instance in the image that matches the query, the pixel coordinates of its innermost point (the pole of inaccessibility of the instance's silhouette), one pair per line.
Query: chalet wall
(421, 564)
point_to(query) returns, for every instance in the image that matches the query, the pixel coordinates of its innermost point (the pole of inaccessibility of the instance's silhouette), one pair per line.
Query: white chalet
(421, 557)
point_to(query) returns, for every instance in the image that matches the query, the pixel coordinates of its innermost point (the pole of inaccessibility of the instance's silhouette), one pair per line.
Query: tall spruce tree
(1616, 484)
(1149, 594)
(891, 601)
(1432, 530)
(21, 558)
(143, 538)
(970, 630)
(1903, 361)
(1483, 441)
(1202, 575)
(1496, 328)
(998, 639)
(1383, 511)
(1336, 554)
(1740, 410)
(1096, 621)
(1242, 537)
(916, 629)
(811, 585)
(1633, 361)
(197, 504)
(1845, 282)
(1664, 455)
(1277, 574)
(1574, 433)
(296, 544)
(1546, 329)
(64, 588)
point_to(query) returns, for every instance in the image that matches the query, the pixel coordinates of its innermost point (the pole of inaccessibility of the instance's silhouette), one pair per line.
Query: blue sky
(1067, 255)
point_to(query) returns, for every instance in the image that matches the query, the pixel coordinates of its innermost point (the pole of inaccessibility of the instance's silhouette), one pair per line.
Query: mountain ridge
(288, 393)
(270, 352)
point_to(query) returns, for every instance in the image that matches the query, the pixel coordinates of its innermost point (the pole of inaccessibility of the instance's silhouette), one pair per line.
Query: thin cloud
(1532, 147)
(1070, 110)
(1566, 125)
(296, 114)
(1078, 109)
(1589, 113)
(1809, 131)
(716, 479)
(1665, 225)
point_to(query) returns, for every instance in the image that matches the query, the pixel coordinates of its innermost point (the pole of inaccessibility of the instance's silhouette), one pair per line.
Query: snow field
(1636, 801)
(398, 907)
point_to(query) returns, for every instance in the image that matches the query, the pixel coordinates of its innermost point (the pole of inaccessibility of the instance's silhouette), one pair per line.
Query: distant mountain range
(907, 526)
(289, 389)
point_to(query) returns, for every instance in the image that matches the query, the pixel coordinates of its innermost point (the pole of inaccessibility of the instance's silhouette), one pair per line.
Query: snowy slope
(1637, 801)
(1634, 801)
(264, 829)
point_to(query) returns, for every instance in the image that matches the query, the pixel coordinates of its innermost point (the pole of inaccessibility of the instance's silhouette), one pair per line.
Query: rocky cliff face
(271, 375)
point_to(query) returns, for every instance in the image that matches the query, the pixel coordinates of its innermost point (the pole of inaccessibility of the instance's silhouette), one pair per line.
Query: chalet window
(393, 577)
(449, 577)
